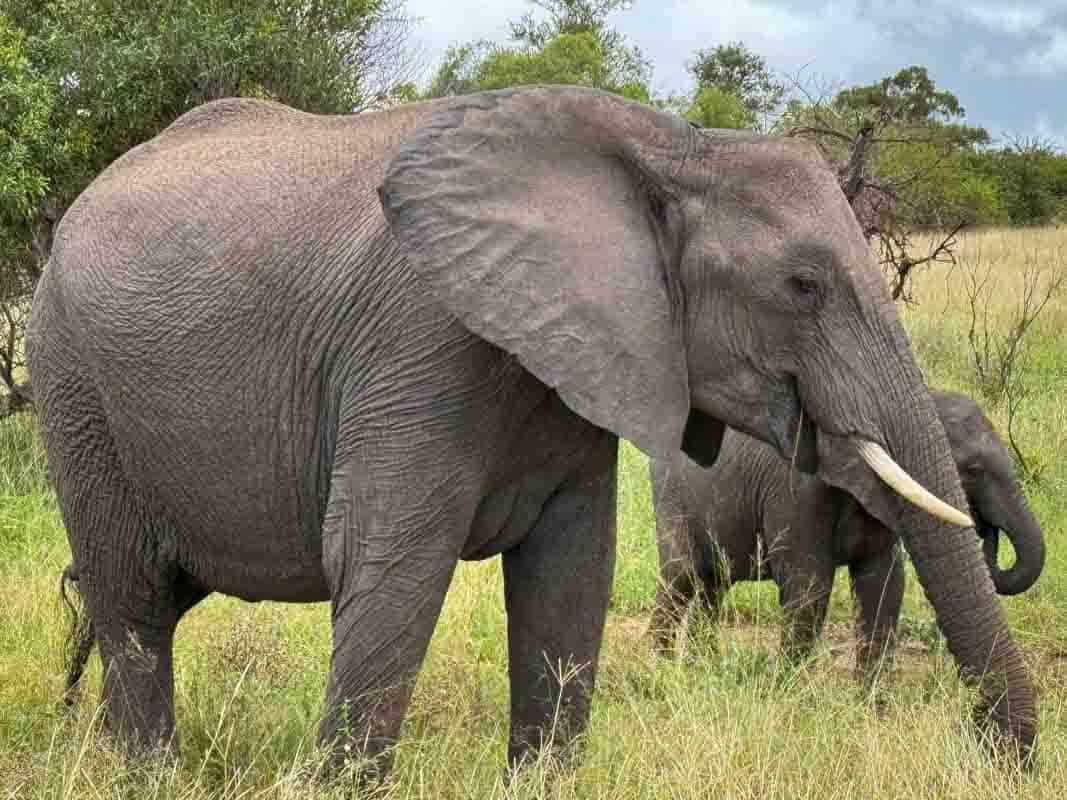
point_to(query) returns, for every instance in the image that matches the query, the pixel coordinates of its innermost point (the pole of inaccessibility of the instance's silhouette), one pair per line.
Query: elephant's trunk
(958, 585)
(955, 579)
(947, 558)
(1027, 539)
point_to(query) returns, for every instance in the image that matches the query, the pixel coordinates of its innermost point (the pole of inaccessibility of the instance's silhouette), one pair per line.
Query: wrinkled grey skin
(748, 518)
(302, 358)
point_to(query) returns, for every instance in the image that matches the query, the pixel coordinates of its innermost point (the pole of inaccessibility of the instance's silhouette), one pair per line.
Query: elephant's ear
(531, 215)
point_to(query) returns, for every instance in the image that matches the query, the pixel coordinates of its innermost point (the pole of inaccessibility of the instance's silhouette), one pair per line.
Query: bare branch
(1000, 358)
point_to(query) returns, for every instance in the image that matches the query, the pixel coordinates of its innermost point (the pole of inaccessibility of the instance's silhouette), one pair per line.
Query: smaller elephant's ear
(530, 214)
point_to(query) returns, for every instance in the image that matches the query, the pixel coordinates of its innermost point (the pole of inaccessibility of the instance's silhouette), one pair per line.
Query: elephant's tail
(79, 640)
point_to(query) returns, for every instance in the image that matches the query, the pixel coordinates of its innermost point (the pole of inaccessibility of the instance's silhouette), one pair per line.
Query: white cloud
(1048, 130)
(447, 22)
(978, 60)
(829, 39)
(1046, 58)
(1013, 20)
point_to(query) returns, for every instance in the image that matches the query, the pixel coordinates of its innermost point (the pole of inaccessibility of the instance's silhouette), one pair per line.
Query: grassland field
(728, 723)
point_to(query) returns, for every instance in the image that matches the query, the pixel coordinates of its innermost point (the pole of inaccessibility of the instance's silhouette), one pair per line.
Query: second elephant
(751, 517)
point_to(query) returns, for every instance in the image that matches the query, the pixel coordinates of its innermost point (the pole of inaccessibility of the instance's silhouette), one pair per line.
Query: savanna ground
(730, 724)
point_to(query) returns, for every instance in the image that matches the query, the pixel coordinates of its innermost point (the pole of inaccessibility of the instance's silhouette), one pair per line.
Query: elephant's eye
(804, 287)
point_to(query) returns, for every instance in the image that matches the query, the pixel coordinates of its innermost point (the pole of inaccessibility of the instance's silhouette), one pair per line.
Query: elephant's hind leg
(125, 567)
(127, 576)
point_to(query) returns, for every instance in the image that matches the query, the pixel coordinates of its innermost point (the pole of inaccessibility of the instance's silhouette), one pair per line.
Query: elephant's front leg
(389, 551)
(557, 587)
(878, 590)
(677, 582)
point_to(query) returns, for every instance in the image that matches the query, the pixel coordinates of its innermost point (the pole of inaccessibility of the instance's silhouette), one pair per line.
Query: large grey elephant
(750, 517)
(304, 358)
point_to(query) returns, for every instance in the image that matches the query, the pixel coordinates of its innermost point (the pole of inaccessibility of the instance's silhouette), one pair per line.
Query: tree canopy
(735, 71)
(573, 45)
(82, 81)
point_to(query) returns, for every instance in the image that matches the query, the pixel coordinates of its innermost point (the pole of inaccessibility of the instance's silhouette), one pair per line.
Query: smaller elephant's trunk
(1028, 541)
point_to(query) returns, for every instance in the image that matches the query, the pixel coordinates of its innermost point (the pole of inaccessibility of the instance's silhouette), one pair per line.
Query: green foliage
(907, 98)
(568, 16)
(915, 143)
(83, 81)
(572, 46)
(569, 58)
(1031, 178)
(714, 108)
(138, 64)
(27, 138)
(737, 72)
(939, 185)
(458, 73)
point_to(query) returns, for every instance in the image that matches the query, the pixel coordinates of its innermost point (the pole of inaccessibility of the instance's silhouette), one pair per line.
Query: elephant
(303, 358)
(750, 517)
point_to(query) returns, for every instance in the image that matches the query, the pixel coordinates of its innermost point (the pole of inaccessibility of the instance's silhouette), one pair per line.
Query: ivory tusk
(907, 487)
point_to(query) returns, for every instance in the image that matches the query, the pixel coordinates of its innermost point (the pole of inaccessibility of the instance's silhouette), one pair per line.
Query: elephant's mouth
(794, 432)
(990, 536)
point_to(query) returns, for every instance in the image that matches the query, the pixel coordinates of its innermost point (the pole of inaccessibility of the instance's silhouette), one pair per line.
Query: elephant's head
(997, 501)
(668, 281)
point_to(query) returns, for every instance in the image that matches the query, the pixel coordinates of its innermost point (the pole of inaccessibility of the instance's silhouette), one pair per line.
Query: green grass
(733, 723)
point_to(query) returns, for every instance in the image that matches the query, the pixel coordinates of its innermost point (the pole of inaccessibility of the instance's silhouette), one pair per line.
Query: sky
(1006, 61)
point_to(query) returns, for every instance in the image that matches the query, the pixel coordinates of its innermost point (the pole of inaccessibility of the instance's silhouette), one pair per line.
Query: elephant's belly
(256, 538)
(231, 498)
(284, 569)
(282, 582)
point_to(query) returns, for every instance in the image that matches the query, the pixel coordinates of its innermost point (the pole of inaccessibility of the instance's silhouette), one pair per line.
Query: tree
(37, 154)
(907, 98)
(82, 81)
(572, 45)
(1031, 176)
(568, 16)
(736, 71)
(714, 108)
(900, 148)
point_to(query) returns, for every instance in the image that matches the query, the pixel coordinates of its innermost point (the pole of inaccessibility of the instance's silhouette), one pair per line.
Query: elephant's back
(239, 226)
(231, 172)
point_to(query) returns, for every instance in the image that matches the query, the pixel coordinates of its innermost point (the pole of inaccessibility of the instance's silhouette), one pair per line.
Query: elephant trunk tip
(1020, 576)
